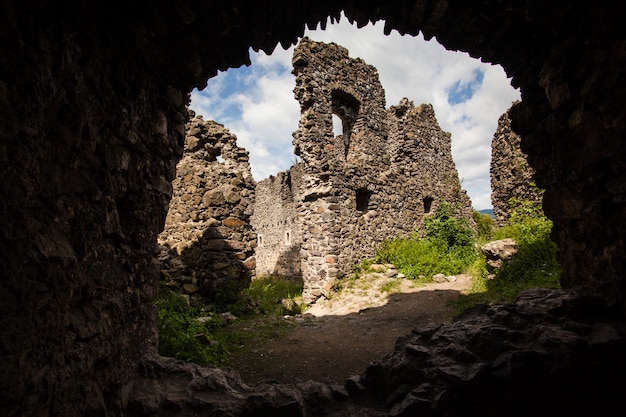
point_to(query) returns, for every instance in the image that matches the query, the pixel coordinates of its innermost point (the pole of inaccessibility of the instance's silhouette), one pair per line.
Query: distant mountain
(488, 211)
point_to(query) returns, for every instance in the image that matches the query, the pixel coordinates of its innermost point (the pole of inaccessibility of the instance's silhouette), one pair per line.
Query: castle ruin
(379, 178)
(207, 243)
(511, 176)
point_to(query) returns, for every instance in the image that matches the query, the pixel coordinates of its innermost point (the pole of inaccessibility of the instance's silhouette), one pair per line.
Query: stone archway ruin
(93, 100)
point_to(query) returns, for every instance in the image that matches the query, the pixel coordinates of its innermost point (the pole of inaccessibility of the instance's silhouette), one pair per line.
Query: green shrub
(275, 296)
(178, 326)
(447, 228)
(484, 226)
(535, 264)
(448, 247)
(230, 290)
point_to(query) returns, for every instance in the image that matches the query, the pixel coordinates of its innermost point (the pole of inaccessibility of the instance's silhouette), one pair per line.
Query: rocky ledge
(551, 352)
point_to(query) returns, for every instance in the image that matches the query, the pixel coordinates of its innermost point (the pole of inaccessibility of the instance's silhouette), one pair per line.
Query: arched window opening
(346, 107)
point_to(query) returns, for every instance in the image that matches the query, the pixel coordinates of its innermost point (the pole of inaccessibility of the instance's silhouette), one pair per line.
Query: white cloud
(408, 67)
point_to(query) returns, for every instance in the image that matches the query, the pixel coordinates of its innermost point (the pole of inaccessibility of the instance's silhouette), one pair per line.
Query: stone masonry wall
(511, 176)
(278, 241)
(378, 179)
(208, 243)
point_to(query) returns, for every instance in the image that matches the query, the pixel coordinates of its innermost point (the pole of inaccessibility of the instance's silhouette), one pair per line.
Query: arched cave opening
(346, 105)
(93, 111)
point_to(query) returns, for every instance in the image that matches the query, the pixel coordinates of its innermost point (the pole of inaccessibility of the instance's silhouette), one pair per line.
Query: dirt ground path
(338, 338)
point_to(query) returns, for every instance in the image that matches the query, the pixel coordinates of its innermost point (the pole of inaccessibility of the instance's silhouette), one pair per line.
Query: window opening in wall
(337, 126)
(363, 197)
(346, 107)
(428, 202)
(260, 240)
(288, 237)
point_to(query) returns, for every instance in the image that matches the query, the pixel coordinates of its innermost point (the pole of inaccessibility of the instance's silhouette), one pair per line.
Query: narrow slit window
(428, 204)
(363, 197)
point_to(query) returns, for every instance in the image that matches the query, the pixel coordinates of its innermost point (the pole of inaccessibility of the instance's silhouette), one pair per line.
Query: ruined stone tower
(511, 176)
(207, 243)
(377, 179)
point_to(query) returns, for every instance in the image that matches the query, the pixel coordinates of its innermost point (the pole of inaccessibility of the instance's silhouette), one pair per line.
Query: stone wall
(511, 176)
(90, 140)
(276, 222)
(378, 179)
(208, 243)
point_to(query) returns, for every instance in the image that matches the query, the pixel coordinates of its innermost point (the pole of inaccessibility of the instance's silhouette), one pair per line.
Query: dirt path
(338, 338)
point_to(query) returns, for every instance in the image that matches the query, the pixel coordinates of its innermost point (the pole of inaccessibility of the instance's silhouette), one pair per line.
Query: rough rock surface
(208, 243)
(379, 178)
(93, 99)
(499, 251)
(537, 356)
(166, 387)
(551, 352)
(511, 176)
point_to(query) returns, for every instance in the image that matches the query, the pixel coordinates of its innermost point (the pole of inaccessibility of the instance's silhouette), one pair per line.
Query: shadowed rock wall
(93, 100)
(90, 138)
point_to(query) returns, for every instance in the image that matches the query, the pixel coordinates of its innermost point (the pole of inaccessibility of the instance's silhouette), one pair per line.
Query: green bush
(275, 296)
(484, 226)
(535, 264)
(447, 229)
(178, 326)
(448, 247)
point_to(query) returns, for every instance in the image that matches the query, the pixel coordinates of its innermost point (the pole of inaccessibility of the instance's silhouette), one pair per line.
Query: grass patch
(392, 286)
(183, 336)
(193, 335)
(275, 296)
(449, 247)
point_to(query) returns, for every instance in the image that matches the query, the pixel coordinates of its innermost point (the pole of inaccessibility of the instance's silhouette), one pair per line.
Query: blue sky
(256, 103)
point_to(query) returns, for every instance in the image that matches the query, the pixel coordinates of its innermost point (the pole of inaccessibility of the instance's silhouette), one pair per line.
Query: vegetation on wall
(448, 247)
